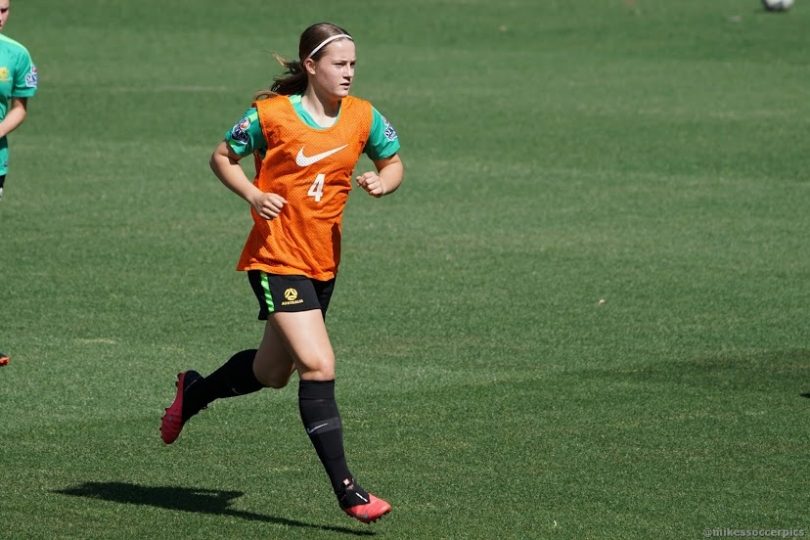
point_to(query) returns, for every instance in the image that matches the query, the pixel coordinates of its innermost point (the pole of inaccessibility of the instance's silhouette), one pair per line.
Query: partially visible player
(18, 82)
(306, 135)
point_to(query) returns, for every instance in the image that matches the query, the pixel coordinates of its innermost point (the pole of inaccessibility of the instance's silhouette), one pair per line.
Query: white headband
(327, 41)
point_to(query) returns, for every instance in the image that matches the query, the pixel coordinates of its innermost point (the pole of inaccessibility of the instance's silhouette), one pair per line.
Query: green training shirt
(18, 79)
(18, 74)
(246, 136)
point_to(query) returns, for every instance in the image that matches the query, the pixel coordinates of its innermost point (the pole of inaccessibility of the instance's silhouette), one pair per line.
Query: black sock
(2, 180)
(234, 378)
(319, 412)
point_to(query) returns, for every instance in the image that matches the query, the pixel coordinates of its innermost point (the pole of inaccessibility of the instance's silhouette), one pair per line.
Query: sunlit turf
(583, 316)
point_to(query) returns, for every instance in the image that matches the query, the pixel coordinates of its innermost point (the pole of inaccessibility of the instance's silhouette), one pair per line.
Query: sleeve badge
(32, 78)
(239, 132)
(390, 132)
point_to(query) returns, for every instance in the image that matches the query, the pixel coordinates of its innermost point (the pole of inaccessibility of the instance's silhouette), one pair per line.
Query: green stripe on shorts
(268, 298)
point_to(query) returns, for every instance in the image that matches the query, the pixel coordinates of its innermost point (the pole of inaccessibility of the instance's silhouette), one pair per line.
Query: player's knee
(320, 368)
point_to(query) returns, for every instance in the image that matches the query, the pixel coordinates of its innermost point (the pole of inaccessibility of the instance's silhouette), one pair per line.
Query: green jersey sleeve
(25, 76)
(383, 141)
(246, 136)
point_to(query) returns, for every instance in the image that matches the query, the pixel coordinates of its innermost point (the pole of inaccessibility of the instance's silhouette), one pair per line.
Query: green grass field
(584, 315)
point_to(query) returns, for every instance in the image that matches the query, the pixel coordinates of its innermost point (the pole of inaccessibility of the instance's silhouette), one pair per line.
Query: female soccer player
(18, 82)
(306, 134)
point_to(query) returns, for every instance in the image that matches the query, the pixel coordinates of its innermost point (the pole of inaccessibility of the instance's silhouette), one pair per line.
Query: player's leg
(307, 340)
(243, 373)
(236, 377)
(273, 365)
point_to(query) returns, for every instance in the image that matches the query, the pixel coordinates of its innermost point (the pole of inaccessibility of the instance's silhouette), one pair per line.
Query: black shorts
(289, 293)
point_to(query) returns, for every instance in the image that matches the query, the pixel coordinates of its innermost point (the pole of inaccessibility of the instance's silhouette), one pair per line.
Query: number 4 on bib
(316, 189)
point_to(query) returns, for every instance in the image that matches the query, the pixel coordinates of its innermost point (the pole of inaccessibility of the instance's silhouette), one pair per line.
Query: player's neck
(323, 110)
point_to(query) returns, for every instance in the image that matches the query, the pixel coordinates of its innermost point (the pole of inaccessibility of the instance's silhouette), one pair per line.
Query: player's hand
(268, 205)
(372, 183)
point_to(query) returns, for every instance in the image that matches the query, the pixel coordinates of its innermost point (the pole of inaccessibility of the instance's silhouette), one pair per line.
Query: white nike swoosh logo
(305, 161)
(316, 428)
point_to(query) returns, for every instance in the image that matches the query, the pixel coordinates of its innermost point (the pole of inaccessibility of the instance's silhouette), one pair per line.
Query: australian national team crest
(291, 297)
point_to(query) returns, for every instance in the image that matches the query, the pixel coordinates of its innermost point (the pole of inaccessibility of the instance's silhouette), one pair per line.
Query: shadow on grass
(202, 501)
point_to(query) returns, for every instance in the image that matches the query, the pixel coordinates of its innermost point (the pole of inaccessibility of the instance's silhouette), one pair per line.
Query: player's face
(5, 9)
(334, 70)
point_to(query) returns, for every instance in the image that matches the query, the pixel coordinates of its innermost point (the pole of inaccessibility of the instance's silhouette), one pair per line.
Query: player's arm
(382, 148)
(387, 178)
(225, 164)
(15, 116)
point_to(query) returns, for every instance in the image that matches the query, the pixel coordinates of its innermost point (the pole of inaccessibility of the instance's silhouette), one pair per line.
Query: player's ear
(309, 66)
